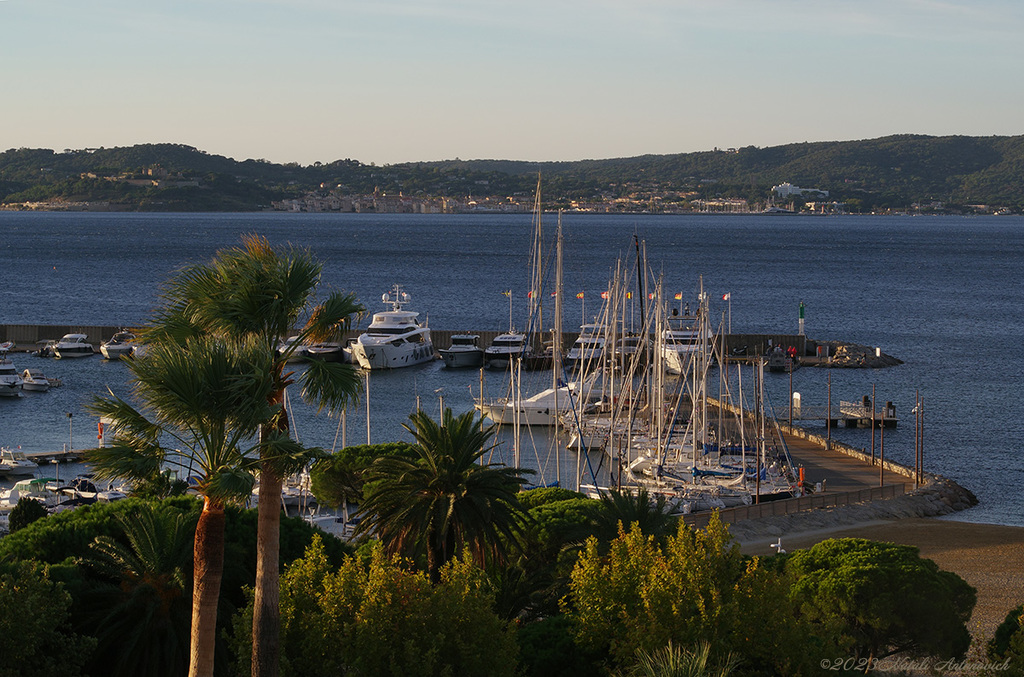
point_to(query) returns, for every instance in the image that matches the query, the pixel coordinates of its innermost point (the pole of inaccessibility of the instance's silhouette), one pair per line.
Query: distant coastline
(903, 174)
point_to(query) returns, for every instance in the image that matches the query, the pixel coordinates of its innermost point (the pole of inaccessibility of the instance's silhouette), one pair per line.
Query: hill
(895, 172)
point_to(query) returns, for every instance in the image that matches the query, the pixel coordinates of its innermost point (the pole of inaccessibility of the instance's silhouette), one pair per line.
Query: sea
(941, 293)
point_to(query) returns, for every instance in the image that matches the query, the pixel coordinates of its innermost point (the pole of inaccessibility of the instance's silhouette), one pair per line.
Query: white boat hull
(372, 355)
(115, 352)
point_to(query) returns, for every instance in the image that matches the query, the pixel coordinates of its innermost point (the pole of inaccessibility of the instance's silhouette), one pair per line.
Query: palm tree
(256, 293)
(675, 661)
(142, 610)
(626, 507)
(444, 501)
(202, 402)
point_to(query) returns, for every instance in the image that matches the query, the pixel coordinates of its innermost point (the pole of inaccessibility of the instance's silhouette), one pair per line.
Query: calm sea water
(944, 294)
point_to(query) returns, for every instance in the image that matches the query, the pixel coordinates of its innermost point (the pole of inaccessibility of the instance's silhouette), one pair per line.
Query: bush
(25, 513)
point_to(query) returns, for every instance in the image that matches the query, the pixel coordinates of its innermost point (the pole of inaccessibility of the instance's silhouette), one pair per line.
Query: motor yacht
(394, 338)
(505, 348)
(33, 379)
(15, 462)
(589, 347)
(10, 381)
(464, 352)
(73, 345)
(120, 345)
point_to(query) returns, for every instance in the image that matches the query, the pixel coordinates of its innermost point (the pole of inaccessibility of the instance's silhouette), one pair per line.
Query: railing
(793, 505)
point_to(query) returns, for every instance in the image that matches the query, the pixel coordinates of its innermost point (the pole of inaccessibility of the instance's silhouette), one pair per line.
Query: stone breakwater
(938, 496)
(855, 356)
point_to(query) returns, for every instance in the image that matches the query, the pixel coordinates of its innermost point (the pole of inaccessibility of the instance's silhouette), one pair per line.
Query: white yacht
(33, 379)
(10, 381)
(120, 345)
(464, 352)
(394, 338)
(505, 348)
(14, 462)
(297, 352)
(588, 348)
(544, 408)
(73, 345)
(680, 341)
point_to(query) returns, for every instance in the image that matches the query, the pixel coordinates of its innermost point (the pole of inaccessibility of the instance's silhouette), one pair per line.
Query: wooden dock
(63, 456)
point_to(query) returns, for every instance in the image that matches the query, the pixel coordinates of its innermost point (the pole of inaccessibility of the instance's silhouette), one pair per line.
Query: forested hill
(890, 172)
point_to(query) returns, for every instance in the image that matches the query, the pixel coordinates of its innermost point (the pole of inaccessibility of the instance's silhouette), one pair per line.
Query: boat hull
(115, 352)
(70, 353)
(462, 359)
(388, 356)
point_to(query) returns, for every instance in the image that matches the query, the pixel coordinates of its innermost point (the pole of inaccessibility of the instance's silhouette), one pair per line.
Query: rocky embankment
(855, 356)
(939, 496)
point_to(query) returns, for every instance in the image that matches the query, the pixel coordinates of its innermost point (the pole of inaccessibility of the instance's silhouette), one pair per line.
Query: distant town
(906, 174)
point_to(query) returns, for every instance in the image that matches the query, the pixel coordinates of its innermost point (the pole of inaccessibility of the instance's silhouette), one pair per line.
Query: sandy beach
(987, 556)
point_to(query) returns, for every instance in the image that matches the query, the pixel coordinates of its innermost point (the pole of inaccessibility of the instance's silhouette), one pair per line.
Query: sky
(388, 81)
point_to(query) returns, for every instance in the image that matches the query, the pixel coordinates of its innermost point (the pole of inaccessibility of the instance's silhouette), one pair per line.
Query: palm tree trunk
(266, 617)
(208, 556)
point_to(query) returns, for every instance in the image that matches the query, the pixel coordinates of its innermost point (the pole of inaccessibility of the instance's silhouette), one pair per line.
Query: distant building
(785, 190)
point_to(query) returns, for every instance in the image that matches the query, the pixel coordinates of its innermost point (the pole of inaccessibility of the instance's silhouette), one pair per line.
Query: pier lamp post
(71, 439)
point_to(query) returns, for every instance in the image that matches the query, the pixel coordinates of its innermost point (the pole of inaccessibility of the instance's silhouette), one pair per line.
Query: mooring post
(881, 452)
(872, 424)
(828, 421)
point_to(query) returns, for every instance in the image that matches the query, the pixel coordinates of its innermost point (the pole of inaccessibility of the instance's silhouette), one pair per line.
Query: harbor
(824, 473)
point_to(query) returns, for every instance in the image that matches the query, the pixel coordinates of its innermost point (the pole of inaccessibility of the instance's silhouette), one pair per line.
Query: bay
(941, 293)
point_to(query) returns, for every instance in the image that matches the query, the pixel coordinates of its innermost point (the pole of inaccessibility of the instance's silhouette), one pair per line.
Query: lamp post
(71, 439)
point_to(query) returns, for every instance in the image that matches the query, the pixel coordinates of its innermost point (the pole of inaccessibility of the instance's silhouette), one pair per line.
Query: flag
(629, 295)
(651, 296)
(678, 296)
(507, 293)
(726, 296)
(579, 295)
(529, 294)
(604, 294)
(554, 293)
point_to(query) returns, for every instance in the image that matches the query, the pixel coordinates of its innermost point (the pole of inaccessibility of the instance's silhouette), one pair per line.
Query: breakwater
(28, 337)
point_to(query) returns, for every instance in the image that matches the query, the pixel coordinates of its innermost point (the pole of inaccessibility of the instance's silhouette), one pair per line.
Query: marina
(903, 309)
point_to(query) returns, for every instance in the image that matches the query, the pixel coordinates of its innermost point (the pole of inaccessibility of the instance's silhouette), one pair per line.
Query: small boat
(15, 462)
(328, 352)
(504, 348)
(464, 352)
(394, 338)
(33, 379)
(10, 381)
(121, 344)
(35, 489)
(297, 352)
(83, 489)
(73, 345)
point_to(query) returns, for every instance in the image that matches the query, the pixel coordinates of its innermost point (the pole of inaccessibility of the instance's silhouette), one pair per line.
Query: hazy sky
(402, 80)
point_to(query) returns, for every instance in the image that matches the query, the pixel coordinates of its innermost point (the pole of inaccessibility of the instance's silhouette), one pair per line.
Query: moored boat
(10, 382)
(394, 338)
(14, 462)
(73, 345)
(464, 352)
(119, 345)
(504, 348)
(589, 347)
(33, 379)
